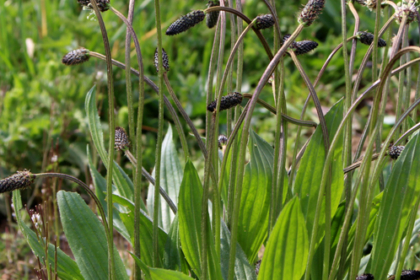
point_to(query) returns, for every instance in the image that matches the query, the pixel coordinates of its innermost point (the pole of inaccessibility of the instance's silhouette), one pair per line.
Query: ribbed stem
(347, 149)
(130, 96)
(138, 142)
(111, 269)
(183, 113)
(152, 180)
(158, 156)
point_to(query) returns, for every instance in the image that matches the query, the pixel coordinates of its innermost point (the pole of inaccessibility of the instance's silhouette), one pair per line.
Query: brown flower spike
(395, 151)
(408, 275)
(227, 102)
(212, 17)
(301, 47)
(165, 60)
(311, 12)
(365, 276)
(367, 39)
(21, 180)
(121, 139)
(76, 57)
(185, 22)
(103, 5)
(264, 21)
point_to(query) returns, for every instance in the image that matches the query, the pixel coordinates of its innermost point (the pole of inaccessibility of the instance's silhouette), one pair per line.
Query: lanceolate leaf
(173, 257)
(100, 189)
(189, 211)
(163, 274)
(255, 200)
(122, 181)
(146, 231)
(87, 239)
(308, 178)
(287, 248)
(170, 180)
(400, 194)
(67, 268)
(243, 270)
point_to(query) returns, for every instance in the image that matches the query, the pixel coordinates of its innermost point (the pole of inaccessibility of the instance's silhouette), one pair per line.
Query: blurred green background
(42, 111)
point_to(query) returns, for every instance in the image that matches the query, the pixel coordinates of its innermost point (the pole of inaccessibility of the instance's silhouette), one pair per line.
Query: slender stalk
(138, 149)
(111, 269)
(183, 113)
(407, 88)
(159, 138)
(130, 96)
(375, 41)
(314, 98)
(242, 147)
(347, 149)
(358, 164)
(286, 117)
(408, 133)
(152, 180)
(205, 206)
(212, 145)
(362, 67)
(232, 173)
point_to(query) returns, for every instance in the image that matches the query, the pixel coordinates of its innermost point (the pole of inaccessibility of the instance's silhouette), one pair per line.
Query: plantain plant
(242, 209)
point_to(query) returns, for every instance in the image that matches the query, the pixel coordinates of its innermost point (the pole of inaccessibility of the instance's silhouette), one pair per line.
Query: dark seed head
(212, 17)
(311, 11)
(305, 46)
(365, 276)
(301, 47)
(165, 60)
(257, 267)
(371, 4)
(185, 22)
(395, 151)
(121, 139)
(76, 57)
(367, 39)
(21, 180)
(264, 21)
(229, 101)
(408, 275)
(222, 140)
(103, 5)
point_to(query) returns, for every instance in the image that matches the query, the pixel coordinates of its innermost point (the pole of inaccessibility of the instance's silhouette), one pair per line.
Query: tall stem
(159, 139)
(111, 269)
(138, 150)
(130, 96)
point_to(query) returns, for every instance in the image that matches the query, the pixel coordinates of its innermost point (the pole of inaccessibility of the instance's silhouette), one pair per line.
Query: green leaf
(173, 257)
(308, 177)
(170, 180)
(243, 270)
(399, 197)
(142, 265)
(256, 195)
(86, 237)
(100, 189)
(287, 247)
(122, 181)
(67, 268)
(163, 274)
(146, 231)
(190, 201)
